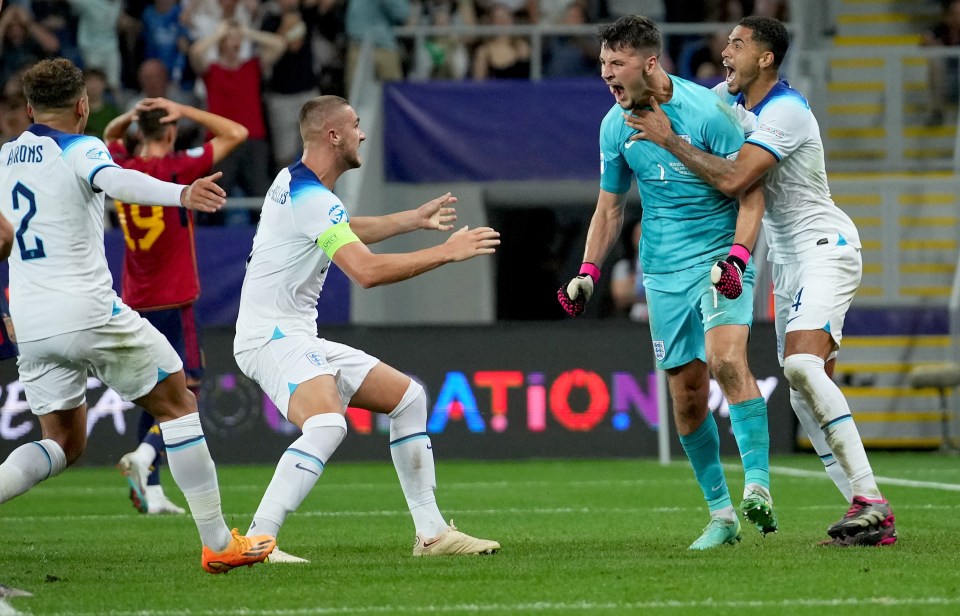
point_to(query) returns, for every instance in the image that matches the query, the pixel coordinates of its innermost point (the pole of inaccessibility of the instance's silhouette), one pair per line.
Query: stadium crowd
(257, 61)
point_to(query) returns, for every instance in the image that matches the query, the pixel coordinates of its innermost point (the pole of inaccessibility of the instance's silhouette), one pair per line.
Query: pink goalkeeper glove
(575, 294)
(727, 275)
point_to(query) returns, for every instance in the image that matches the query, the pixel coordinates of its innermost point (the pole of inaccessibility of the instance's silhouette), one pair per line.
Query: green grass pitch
(579, 537)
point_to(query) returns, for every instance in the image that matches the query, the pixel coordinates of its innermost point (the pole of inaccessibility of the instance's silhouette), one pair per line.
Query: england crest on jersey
(659, 351)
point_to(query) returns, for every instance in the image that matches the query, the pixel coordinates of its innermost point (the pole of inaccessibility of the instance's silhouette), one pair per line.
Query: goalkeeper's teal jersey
(685, 221)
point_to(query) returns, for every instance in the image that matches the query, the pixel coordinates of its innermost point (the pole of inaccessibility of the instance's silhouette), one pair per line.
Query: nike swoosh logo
(427, 544)
(716, 487)
(429, 446)
(628, 144)
(715, 315)
(304, 468)
(744, 455)
(793, 318)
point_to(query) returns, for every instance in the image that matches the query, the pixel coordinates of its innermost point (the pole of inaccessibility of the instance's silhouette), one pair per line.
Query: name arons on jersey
(25, 154)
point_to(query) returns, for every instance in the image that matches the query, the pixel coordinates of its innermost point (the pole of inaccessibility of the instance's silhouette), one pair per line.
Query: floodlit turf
(579, 537)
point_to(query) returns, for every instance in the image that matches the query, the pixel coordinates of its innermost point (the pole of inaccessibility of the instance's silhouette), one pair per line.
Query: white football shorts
(127, 353)
(282, 364)
(816, 293)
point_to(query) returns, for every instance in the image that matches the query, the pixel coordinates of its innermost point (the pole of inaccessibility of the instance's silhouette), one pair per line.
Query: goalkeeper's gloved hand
(727, 275)
(574, 295)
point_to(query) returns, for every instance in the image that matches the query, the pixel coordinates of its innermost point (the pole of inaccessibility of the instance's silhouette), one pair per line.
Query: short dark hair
(771, 33)
(53, 84)
(150, 125)
(632, 32)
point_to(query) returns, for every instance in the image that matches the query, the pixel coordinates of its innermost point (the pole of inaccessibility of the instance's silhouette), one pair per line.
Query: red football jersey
(160, 259)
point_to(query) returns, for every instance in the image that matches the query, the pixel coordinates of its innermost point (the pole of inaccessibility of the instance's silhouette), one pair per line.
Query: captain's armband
(335, 237)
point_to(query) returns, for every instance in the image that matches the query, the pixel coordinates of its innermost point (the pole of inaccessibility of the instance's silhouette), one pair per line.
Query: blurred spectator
(778, 9)
(203, 17)
(98, 37)
(23, 41)
(13, 117)
(292, 82)
(626, 278)
(502, 56)
(702, 60)
(329, 42)
(654, 9)
(154, 80)
(943, 77)
(57, 17)
(165, 38)
(442, 57)
(523, 11)
(233, 91)
(572, 56)
(375, 18)
(101, 109)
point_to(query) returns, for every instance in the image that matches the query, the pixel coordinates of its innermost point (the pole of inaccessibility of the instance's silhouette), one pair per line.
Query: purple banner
(494, 130)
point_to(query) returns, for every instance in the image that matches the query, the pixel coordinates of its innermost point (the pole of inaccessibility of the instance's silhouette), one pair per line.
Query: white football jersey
(59, 280)
(800, 213)
(287, 267)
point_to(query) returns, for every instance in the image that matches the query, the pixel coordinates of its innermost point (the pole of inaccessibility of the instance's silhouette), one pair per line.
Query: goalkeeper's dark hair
(771, 33)
(53, 85)
(634, 32)
(150, 125)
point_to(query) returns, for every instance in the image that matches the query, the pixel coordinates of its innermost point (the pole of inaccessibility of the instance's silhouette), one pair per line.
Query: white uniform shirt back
(800, 213)
(59, 280)
(286, 268)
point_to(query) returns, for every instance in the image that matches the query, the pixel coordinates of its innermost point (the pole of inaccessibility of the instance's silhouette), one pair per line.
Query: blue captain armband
(336, 237)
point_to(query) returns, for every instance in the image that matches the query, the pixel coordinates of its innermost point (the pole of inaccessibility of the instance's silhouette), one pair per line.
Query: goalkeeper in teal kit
(695, 253)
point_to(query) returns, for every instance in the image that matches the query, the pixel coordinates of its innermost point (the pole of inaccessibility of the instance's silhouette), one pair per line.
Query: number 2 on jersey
(21, 192)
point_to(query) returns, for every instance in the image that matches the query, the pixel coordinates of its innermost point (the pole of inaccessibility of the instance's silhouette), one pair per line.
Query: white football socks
(812, 427)
(298, 470)
(28, 465)
(412, 454)
(806, 374)
(193, 470)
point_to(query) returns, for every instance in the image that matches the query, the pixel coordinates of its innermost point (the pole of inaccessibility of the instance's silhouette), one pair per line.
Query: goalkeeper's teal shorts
(684, 305)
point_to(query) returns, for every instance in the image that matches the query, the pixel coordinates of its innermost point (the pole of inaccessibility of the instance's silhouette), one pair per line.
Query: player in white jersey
(303, 228)
(70, 321)
(815, 250)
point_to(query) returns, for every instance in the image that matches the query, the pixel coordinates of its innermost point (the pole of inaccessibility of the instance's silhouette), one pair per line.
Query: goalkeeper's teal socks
(749, 421)
(703, 449)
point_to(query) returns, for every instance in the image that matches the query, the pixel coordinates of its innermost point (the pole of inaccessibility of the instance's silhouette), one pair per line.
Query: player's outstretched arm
(132, 186)
(604, 230)
(204, 195)
(369, 269)
(437, 214)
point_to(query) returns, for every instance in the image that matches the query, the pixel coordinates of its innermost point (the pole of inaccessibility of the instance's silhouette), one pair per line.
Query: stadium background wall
(510, 391)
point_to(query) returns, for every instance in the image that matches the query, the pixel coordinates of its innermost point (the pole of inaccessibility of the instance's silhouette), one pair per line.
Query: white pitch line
(892, 481)
(551, 606)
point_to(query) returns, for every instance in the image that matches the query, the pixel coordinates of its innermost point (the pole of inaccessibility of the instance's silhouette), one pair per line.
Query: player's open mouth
(731, 73)
(617, 91)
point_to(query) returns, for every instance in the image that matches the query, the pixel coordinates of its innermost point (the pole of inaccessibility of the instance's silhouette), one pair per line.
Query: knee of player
(800, 368)
(729, 370)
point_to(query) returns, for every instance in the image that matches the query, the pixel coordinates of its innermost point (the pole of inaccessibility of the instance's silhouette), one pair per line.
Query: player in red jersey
(160, 277)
